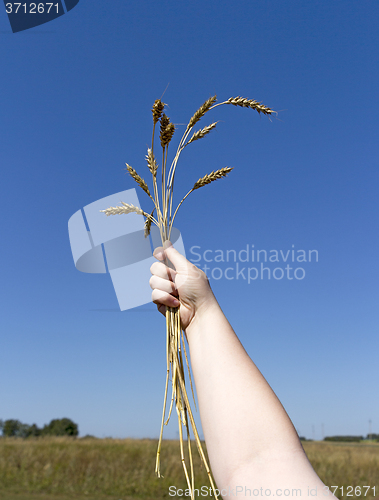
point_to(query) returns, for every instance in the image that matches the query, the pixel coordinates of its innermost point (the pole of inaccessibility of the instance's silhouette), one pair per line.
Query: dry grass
(88, 467)
(345, 464)
(66, 468)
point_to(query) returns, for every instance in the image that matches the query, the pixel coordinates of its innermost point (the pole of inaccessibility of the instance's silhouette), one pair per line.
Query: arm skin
(250, 439)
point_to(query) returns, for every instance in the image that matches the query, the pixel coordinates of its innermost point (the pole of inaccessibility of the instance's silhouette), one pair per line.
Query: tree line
(353, 439)
(347, 439)
(57, 427)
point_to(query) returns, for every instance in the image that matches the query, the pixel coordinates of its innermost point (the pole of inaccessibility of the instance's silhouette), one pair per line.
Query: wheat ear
(201, 133)
(157, 110)
(151, 162)
(201, 111)
(247, 103)
(213, 176)
(126, 209)
(138, 180)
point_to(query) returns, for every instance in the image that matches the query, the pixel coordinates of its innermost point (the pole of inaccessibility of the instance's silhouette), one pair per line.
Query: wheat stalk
(164, 220)
(207, 179)
(148, 223)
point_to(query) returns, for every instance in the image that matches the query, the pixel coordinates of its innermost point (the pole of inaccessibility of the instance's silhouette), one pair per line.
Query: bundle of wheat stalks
(164, 219)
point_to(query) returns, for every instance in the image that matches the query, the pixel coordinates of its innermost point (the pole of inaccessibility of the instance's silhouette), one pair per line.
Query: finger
(168, 251)
(159, 269)
(179, 261)
(162, 309)
(161, 297)
(159, 253)
(157, 283)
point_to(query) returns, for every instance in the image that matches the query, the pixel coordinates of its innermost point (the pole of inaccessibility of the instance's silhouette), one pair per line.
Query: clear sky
(75, 103)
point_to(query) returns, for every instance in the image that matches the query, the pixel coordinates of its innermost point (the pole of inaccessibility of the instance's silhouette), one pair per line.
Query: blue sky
(75, 103)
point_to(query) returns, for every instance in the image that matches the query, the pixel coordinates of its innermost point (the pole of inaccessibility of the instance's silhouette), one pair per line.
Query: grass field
(113, 469)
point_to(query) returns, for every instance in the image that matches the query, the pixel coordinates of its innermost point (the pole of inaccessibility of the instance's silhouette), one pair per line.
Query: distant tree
(13, 428)
(10, 427)
(60, 427)
(57, 427)
(33, 431)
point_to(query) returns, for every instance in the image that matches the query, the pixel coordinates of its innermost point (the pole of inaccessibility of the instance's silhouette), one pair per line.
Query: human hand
(186, 286)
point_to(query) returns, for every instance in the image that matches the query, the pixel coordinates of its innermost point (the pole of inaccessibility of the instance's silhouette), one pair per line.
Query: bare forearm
(243, 420)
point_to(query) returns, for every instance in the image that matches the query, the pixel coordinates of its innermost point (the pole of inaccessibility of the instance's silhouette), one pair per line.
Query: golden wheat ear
(157, 110)
(201, 133)
(201, 111)
(213, 176)
(138, 179)
(250, 103)
(167, 130)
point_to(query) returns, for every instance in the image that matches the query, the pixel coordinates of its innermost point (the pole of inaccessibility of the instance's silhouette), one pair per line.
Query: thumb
(179, 261)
